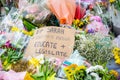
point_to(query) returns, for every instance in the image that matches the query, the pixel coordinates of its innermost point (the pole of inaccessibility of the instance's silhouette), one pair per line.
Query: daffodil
(34, 62)
(28, 77)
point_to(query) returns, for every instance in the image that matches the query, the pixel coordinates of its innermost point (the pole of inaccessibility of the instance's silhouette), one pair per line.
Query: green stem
(3, 2)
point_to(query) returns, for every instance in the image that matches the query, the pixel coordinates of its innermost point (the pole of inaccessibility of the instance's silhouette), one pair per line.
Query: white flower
(94, 68)
(96, 76)
(98, 67)
(40, 58)
(90, 69)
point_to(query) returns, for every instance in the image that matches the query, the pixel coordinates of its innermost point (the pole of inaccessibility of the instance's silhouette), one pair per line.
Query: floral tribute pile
(95, 43)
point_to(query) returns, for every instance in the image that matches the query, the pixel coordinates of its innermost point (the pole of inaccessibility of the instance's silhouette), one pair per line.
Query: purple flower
(91, 31)
(8, 44)
(118, 78)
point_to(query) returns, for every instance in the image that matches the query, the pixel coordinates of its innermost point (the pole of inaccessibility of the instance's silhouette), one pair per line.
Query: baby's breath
(96, 48)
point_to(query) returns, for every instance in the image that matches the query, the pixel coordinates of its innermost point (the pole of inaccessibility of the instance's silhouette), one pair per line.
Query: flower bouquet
(115, 15)
(75, 72)
(96, 48)
(40, 69)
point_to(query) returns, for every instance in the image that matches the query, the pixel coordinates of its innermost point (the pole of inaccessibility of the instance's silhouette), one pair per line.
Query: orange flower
(115, 73)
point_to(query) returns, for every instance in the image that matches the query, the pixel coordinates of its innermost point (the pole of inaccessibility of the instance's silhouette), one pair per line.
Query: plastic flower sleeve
(12, 19)
(75, 58)
(64, 10)
(116, 41)
(20, 40)
(22, 4)
(35, 15)
(80, 11)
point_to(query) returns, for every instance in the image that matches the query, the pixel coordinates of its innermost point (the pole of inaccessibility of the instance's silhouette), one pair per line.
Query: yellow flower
(80, 67)
(14, 29)
(25, 32)
(28, 33)
(5, 62)
(31, 33)
(116, 57)
(73, 66)
(81, 23)
(70, 77)
(87, 19)
(76, 22)
(117, 61)
(70, 71)
(112, 1)
(34, 62)
(28, 77)
(70, 74)
(115, 73)
(115, 53)
(116, 49)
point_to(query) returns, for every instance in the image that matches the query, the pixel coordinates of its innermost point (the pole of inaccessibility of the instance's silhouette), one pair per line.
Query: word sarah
(52, 30)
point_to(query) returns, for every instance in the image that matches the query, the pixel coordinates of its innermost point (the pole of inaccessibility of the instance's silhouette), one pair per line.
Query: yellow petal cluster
(116, 52)
(29, 33)
(112, 1)
(72, 69)
(115, 73)
(34, 62)
(28, 77)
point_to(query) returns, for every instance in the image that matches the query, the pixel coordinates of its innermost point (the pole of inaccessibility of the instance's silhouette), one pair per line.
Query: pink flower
(97, 27)
(33, 9)
(96, 18)
(8, 44)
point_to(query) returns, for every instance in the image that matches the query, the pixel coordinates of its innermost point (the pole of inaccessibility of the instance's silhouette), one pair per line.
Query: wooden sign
(52, 42)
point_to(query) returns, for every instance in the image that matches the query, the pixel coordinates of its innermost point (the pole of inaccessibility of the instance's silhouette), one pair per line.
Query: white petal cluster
(94, 68)
(96, 76)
